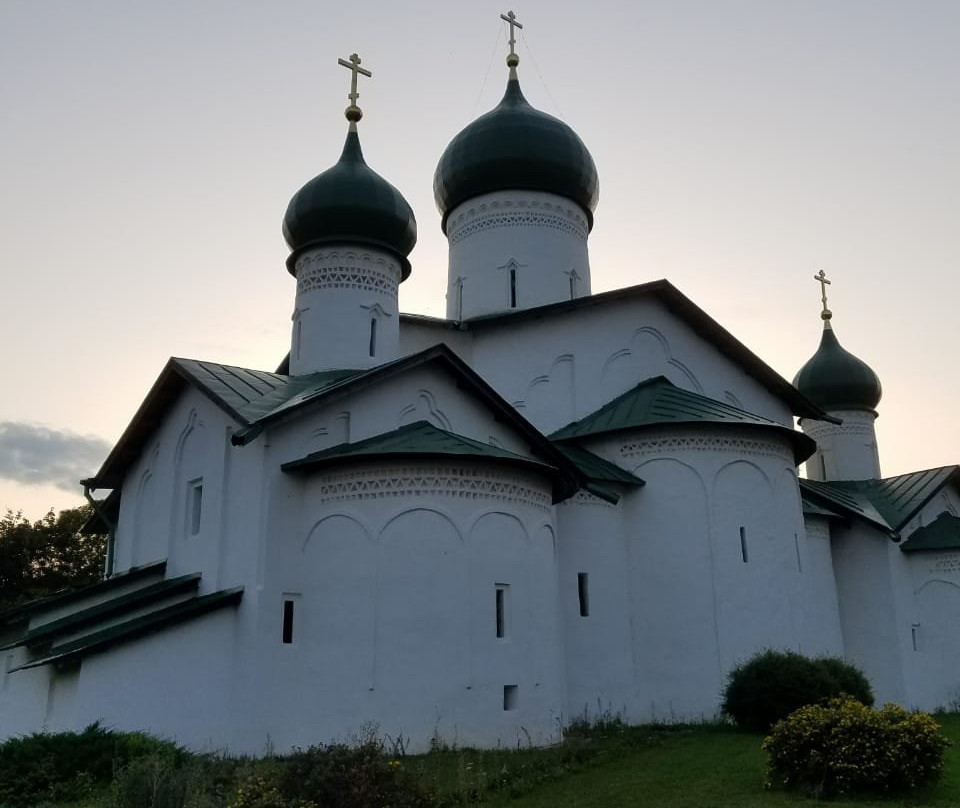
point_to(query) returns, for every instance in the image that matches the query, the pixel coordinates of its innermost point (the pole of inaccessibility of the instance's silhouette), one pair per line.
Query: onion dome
(834, 379)
(350, 204)
(516, 147)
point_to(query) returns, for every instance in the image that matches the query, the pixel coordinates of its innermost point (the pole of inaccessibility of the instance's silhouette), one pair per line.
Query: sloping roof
(24, 610)
(900, 498)
(889, 503)
(943, 533)
(599, 473)
(658, 401)
(678, 304)
(128, 601)
(419, 439)
(255, 399)
(813, 508)
(845, 499)
(137, 627)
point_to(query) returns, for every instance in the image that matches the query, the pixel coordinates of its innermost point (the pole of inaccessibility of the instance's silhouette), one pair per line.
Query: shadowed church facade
(478, 527)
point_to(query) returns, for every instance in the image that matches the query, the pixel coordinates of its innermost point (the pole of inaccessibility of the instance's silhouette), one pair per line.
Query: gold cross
(511, 19)
(353, 111)
(821, 278)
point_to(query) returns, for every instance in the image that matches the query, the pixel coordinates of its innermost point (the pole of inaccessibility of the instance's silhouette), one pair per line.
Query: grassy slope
(705, 768)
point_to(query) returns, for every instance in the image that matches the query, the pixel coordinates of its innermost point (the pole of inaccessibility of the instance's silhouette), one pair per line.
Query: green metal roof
(899, 498)
(812, 508)
(137, 627)
(350, 203)
(846, 498)
(67, 596)
(110, 608)
(943, 533)
(596, 468)
(417, 440)
(835, 379)
(888, 503)
(658, 401)
(515, 146)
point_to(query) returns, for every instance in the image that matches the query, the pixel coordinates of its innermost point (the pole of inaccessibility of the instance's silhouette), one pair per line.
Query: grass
(705, 766)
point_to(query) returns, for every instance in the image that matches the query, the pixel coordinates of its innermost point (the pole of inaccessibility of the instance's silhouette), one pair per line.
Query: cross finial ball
(353, 112)
(511, 19)
(821, 278)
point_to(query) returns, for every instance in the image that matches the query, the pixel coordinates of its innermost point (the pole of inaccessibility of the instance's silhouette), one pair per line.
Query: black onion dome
(515, 146)
(834, 379)
(350, 203)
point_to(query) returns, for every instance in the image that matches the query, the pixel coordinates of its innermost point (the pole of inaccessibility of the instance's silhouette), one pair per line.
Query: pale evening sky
(149, 150)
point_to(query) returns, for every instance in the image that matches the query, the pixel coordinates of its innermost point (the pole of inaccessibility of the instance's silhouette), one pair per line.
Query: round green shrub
(845, 747)
(772, 684)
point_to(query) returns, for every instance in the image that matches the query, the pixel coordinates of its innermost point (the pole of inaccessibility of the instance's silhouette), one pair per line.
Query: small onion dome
(350, 204)
(516, 147)
(834, 379)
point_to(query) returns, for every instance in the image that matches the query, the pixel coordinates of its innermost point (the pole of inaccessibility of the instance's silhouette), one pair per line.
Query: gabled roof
(844, 499)
(658, 401)
(900, 498)
(678, 304)
(943, 533)
(256, 399)
(137, 627)
(889, 503)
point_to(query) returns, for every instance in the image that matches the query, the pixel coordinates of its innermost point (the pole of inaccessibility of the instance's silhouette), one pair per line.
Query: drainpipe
(88, 487)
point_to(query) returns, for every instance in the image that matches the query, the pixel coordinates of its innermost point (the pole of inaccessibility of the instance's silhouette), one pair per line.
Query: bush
(335, 776)
(66, 766)
(772, 684)
(845, 747)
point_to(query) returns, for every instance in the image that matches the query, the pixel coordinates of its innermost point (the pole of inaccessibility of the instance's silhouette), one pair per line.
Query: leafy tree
(42, 557)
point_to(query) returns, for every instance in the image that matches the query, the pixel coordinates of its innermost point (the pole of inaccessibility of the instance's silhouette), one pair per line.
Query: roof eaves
(138, 627)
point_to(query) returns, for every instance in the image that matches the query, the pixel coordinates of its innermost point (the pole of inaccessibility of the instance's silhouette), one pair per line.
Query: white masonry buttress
(349, 232)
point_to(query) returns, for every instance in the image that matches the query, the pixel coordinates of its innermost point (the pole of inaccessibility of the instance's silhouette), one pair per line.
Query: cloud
(38, 455)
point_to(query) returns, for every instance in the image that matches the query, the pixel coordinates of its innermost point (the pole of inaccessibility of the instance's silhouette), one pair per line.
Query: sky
(148, 151)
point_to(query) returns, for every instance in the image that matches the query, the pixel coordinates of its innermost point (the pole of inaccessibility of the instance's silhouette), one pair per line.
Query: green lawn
(702, 767)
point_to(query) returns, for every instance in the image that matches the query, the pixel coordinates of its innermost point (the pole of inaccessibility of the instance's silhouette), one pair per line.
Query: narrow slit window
(297, 333)
(513, 288)
(287, 632)
(743, 544)
(915, 636)
(373, 336)
(500, 606)
(510, 697)
(195, 505)
(460, 300)
(573, 286)
(583, 593)
(796, 545)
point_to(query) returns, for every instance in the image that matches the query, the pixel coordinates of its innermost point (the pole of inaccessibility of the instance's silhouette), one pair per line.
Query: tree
(43, 557)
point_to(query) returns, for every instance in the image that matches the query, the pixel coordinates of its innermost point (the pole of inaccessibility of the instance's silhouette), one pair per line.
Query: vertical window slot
(513, 288)
(583, 594)
(500, 605)
(743, 544)
(195, 506)
(287, 632)
(915, 636)
(373, 336)
(510, 697)
(796, 545)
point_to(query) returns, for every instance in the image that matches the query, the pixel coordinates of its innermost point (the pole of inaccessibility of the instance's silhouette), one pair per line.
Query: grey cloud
(39, 455)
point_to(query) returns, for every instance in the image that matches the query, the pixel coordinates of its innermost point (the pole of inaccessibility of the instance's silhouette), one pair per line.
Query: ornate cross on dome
(511, 19)
(353, 112)
(821, 278)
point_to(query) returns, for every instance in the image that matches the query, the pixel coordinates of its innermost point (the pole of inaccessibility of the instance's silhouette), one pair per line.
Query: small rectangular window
(500, 603)
(513, 288)
(287, 632)
(796, 545)
(194, 505)
(583, 594)
(915, 636)
(743, 544)
(373, 337)
(510, 697)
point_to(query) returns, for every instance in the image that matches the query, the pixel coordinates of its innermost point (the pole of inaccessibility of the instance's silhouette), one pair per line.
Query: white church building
(479, 527)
